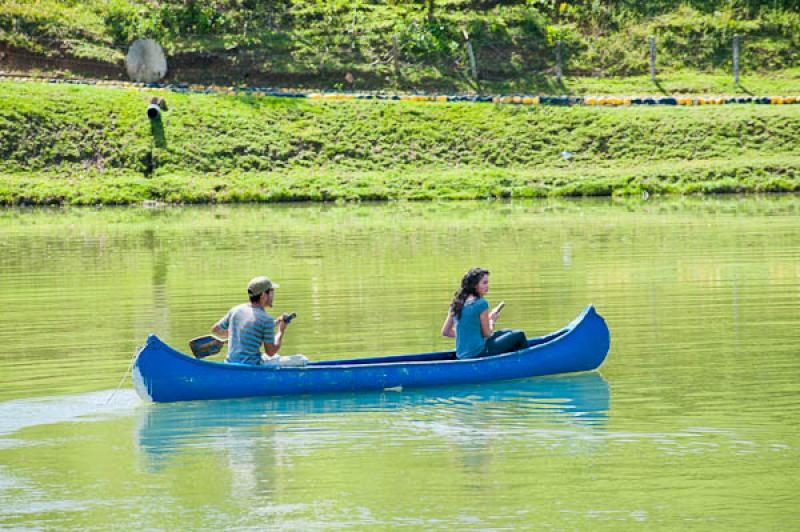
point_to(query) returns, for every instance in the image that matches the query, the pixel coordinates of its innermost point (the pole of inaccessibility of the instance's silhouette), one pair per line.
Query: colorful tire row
(688, 100)
(611, 101)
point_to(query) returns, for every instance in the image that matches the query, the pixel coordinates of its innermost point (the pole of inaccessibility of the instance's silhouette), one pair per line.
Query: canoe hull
(162, 374)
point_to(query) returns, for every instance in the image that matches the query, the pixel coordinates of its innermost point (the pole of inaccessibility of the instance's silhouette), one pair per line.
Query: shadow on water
(160, 257)
(577, 401)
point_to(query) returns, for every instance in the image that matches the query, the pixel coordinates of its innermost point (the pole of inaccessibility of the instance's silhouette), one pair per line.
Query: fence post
(472, 63)
(353, 28)
(558, 61)
(652, 41)
(396, 55)
(736, 59)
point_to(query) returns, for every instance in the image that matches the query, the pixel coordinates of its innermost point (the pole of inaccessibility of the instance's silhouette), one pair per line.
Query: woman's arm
(447, 328)
(487, 325)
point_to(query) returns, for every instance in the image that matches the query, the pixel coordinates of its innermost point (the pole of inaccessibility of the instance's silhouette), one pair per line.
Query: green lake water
(693, 422)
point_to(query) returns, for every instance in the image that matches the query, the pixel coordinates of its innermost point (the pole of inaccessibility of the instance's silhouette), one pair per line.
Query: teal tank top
(469, 340)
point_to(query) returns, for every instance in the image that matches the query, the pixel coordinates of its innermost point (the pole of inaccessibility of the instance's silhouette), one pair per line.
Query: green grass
(777, 174)
(85, 145)
(786, 82)
(313, 43)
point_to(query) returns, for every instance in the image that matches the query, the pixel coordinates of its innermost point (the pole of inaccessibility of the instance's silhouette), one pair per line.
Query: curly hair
(469, 284)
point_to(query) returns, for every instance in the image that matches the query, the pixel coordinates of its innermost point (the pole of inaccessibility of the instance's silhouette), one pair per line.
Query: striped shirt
(248, 327)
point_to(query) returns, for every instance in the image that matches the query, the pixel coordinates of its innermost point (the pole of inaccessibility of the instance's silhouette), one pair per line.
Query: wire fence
(472, 65)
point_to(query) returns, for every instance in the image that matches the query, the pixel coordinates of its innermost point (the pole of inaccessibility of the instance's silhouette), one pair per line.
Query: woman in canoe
(472, 325)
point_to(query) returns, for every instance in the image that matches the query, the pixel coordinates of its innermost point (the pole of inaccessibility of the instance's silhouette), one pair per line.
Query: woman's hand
(495, 314)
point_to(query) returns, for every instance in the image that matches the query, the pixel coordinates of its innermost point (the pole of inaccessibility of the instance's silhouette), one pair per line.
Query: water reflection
(463, 415)
(160, 259)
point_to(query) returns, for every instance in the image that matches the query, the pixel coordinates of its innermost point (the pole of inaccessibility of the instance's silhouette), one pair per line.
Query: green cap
(259, 285)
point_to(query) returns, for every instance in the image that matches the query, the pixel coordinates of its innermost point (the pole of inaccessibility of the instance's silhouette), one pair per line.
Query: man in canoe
(248, 326)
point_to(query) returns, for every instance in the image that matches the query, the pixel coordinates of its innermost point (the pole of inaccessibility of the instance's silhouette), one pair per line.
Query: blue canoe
(162, 374)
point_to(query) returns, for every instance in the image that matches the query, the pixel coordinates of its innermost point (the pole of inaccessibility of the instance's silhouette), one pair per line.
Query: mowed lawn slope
(87, 145)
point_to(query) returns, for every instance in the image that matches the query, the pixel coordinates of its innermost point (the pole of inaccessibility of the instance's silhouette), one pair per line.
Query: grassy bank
(745, 174)
(77, 144)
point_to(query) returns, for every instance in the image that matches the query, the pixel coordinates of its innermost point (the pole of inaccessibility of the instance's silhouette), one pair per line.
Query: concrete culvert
(146, 61)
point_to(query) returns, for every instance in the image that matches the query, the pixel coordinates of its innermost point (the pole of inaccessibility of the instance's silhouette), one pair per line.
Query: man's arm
(221, 327)
(271, 349)
(220, 332)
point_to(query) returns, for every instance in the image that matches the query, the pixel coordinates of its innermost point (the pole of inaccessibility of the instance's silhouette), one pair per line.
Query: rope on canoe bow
(127, 372)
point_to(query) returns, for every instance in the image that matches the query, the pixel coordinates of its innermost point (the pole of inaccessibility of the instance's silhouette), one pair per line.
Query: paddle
(206, 346)
(209, 345)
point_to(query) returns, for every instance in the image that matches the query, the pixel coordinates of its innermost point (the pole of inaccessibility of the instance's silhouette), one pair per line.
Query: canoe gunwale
(559, 335)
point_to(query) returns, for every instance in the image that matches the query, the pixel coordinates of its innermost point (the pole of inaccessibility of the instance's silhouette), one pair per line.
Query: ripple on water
(22, 413)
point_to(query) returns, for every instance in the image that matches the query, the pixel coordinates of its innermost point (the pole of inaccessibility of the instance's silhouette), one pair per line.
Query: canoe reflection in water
(545, 408)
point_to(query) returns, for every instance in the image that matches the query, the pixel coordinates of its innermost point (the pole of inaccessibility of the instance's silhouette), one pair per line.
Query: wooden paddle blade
(205, 346)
